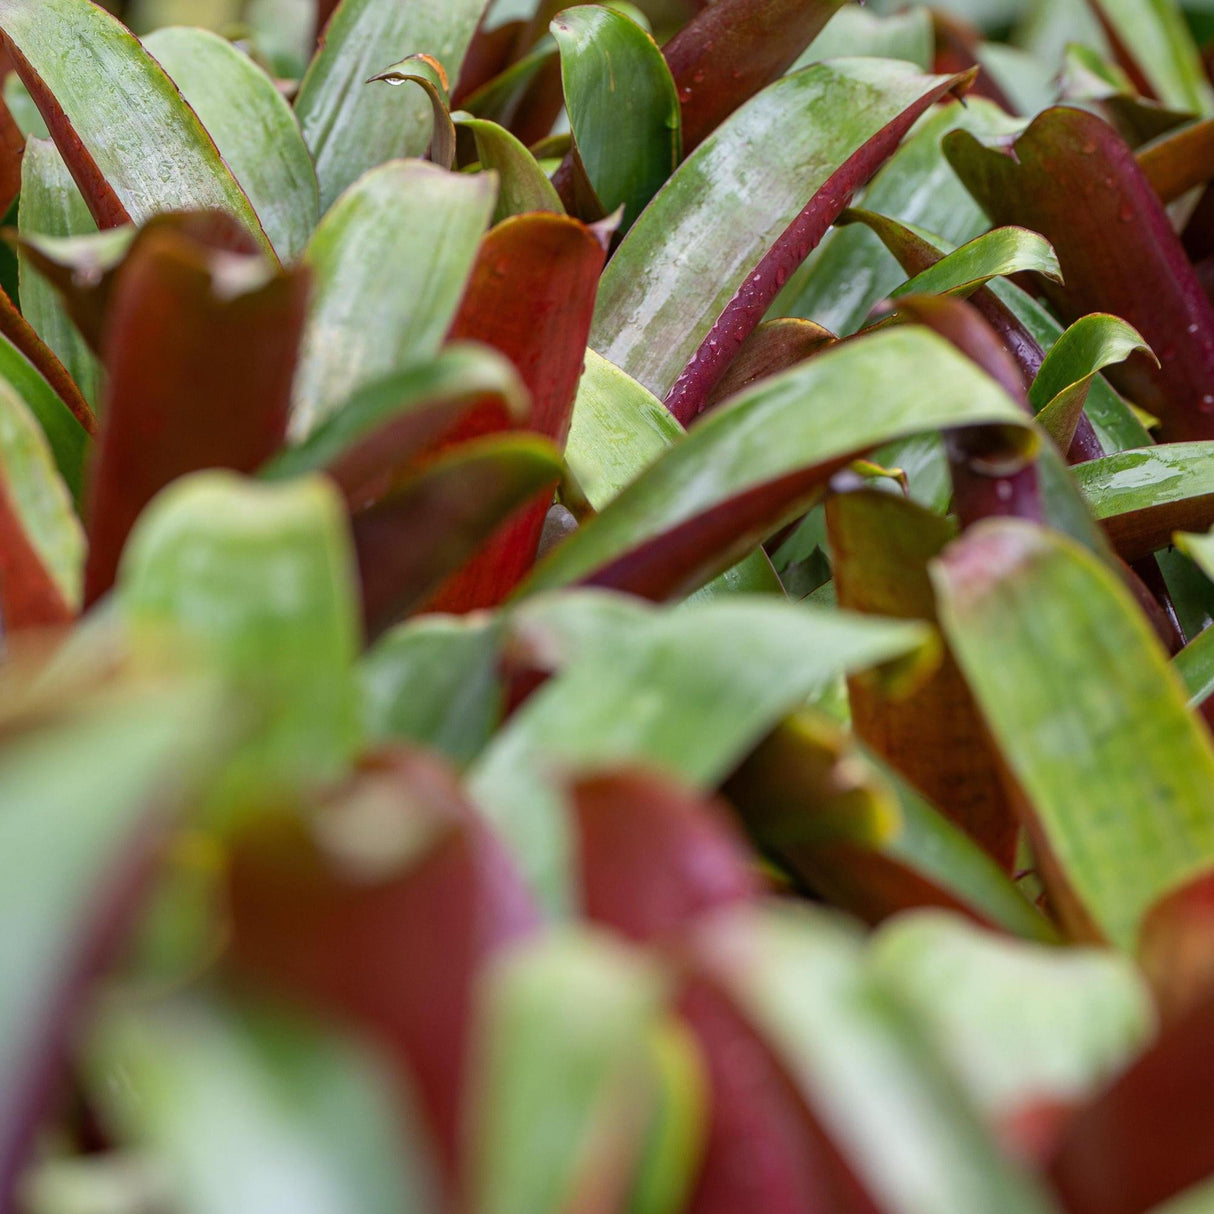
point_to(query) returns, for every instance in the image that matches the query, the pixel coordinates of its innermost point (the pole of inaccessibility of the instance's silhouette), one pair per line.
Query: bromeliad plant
(605, 617)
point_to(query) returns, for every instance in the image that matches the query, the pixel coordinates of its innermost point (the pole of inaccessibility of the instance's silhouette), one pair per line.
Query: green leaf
(258, 579)
(39, 496)
(1020, 1024)
(687, 258)
(51, 205)
(1116, 424)
(622, 106)
(524, 186)
(350, 126)
(423, 532)
(567, 1083)
(850, 828)
(619, 428)
(133, 143)
(692, 691)
(1195, 666)
(397, 417)
(390, 261)
(1060, 389)
(1117, 774)
(865, 393)
(884, 1100)
(851, 270)
(66, 436)
(433, 681)
(1142, 497)
(301, 1120)
(253, 127)
(1155, 36)
(857, 31)
(85, 798)
(430, 76)
(994, 254)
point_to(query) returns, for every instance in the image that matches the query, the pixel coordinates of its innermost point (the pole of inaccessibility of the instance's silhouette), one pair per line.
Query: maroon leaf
(742, 315)
(1151, 1135)
(935, 736)
(772, 347)
(382, 914)
(763, 1151)
(12, 150)
(17, 329)
(29, 596)
(200, 354)
(1176, 946)
(956, 50)
(413, 539)
(732, 49)
(531, 296)
(654, 856)
(1075, 180)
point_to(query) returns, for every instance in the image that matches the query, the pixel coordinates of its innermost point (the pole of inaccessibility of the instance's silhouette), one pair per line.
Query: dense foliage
(607, 608)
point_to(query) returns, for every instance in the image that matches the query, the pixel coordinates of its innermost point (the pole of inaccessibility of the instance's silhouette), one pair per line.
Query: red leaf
(200, 352)
(773, 347)
(732, 49)
(417, 536)
(1074, 180)
(742, 315)
(388, 925)
(17, 329)
(1151, 1135)
(12, 149)
(654, 856)
(763, 1152)
(29, 597)
(531, 296)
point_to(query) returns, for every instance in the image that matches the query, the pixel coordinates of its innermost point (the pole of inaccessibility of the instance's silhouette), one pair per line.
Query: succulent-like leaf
(618, 429)
(881, 546)
(259, 580)
(732, 50)
(1031, 1031)
(416, 537)
(523, 185)
(384, 913)
(51, 205)
(652, 856)
(88, 799)
(531, 296)
(400, 421)
(42, 556)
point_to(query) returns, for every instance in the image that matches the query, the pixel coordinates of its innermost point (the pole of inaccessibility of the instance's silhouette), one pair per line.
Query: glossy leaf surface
(350, 126)
(622, 106)
(252, 126)
(134, 146)
(675, 526)
(390, 260)
(706, 225)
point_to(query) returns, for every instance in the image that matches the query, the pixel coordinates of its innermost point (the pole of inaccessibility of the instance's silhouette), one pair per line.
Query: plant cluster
(607, 609)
